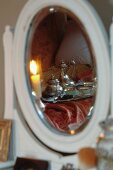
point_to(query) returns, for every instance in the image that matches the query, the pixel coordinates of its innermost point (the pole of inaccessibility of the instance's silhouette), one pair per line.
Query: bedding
(68, 115)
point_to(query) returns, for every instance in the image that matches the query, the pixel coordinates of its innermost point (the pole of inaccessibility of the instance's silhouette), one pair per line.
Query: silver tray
(57, 100)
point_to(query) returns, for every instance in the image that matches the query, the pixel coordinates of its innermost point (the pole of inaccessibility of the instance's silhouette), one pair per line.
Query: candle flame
(72, 132)
(34, 67)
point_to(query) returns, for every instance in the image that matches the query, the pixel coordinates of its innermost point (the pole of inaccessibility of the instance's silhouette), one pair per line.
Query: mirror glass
(60, 70)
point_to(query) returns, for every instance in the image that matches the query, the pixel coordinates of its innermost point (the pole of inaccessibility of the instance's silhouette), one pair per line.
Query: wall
(105, 10)
(9, 11)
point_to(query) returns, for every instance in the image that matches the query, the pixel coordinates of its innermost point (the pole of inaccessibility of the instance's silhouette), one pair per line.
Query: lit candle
(35, 78)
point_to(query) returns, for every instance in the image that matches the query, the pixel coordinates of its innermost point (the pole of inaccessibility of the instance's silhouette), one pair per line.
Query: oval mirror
(61, 72)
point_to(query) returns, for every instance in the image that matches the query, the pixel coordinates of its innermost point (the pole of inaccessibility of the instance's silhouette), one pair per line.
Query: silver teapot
(65, 80)
(54, 89)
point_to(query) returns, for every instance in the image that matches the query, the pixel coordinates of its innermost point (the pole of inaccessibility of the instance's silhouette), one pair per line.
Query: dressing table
(35, 133)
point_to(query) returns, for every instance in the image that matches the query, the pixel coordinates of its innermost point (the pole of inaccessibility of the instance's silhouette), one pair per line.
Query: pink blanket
(64, 115)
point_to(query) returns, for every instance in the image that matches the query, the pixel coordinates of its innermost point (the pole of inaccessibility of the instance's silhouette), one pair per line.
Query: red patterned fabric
(64, 115)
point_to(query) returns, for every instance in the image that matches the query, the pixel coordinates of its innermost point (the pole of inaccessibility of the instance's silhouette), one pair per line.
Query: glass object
(105, 146)
(64, 74)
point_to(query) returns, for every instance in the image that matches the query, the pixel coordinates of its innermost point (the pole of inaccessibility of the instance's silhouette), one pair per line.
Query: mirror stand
(25, 141)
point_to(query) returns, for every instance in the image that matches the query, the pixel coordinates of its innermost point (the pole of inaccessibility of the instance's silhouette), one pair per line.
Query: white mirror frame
(88, 17)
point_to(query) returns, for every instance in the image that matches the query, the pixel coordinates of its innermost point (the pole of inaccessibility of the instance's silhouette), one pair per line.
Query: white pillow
(74, 46)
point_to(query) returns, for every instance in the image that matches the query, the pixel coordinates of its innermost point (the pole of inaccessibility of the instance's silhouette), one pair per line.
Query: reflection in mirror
(61, 70)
